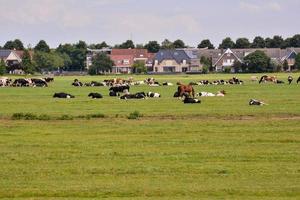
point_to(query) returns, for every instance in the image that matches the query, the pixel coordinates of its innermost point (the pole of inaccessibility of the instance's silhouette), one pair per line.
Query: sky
(115, 21)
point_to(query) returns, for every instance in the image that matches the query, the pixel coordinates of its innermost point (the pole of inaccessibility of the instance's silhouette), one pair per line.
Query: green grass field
(219, 149)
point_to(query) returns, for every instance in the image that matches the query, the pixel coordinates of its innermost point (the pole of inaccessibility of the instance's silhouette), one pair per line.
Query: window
(126, 62)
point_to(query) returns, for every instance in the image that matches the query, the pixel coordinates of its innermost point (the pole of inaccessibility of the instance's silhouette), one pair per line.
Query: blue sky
(114, 21)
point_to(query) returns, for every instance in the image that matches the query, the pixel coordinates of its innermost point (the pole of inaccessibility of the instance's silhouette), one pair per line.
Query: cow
(21, 82)
(254, 102)
(279, 82)
(63, 95)
(113, 94)
(48, 79)
(153, 95)
(4, 81)
(38, 82)
(290, 79)
(77, 83)
(120, 89)
(95, 96)
(139, 95)
(97, 84)
(189, 100)
(176, 95)
(167, 84)
(298, 80)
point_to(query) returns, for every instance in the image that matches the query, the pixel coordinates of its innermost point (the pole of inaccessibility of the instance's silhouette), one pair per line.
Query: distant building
(13, 60)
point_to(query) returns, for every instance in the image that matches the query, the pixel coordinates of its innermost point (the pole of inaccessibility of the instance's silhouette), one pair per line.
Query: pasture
(219, 149)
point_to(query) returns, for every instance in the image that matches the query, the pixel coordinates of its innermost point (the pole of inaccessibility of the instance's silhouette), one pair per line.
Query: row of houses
(188, 60)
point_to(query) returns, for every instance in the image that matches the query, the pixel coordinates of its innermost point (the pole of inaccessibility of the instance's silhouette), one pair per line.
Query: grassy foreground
(220, 149)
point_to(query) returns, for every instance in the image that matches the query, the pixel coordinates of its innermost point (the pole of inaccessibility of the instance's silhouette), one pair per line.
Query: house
(125, 58)
(222, 59)
(176, 61)
(91, 53)
(13, 60)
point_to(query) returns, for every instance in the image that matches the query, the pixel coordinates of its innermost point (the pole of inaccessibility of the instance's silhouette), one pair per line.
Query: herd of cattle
(25, 82)
(121, 88)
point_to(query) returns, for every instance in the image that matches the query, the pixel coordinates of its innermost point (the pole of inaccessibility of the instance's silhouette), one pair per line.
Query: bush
(24, 116)
(135, 115)
(227, 70)
(44, 117)
(99, 115)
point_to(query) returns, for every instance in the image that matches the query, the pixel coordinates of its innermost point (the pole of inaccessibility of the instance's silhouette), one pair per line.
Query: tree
(297, 61)
(42, 46)
(295, 41)
(48, 61)
(101, 63)
(275, 42)
(258, 42)
(206, 44)
(127, 45)
(2, 67)
(242, 43)
(227, 43)
(27, 64)
(18, 44)
(139, 67)
(207, 63)
(178, 44)
(167, 44)
(9, 45)
(257, 61)
(152, 46)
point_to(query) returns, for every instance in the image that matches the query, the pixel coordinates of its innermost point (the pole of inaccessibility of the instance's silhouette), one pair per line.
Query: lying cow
(279, 82)
(139, 95)
(254, 102)
(167, 84)
(120, 89)
(153, 95)
(21, 82)
(63, 95)
(77, 83)
(95, 96)
(113, 94)
(4, 81)
(189, 100)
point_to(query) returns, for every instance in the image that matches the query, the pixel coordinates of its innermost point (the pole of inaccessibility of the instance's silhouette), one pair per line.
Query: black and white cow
(95, 96)
(63, 95)
(38, 82)
(167, 84)
(290, 79)
(48, 79)
(189, 100)
(4, 81)
(77, 83)
(153, 95)
(113, 94)
(279, 82)
(139, 95)
(298, 80)
(254, 102)
(21, 82)
(120, 89)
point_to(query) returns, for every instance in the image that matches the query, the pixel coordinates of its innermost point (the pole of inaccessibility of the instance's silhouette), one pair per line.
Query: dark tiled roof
(178, 55)
(4, 53)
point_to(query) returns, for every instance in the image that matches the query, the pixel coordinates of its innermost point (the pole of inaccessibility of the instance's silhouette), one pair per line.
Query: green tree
(101, 63)
(258, 42)
(297, 61)
(42, 46)
(178, 44)
(127, 45)
(295, 41)
(242, 43)
(257, 61)
(139, 67)
(227, 43)
(48, 61)
(27, 64)
(275, 42)
(152, 46)
(207, 63)
(18, 44)
(9, 45)
(2, 67)
(206, 44)
(167, 44)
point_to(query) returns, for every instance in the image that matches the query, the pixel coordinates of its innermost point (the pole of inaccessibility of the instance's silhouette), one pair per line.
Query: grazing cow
(290, 79)
(21, 82)
(185, 89)
(266, 78)
(77, 83)
(63, 95)
(48, 79)
(120, 89)
(298, 80)
(38, 82)
(254, 102)
(95, 96)
(153, 95)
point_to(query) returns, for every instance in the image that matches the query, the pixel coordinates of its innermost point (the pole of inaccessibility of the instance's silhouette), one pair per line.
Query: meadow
(219, 149)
